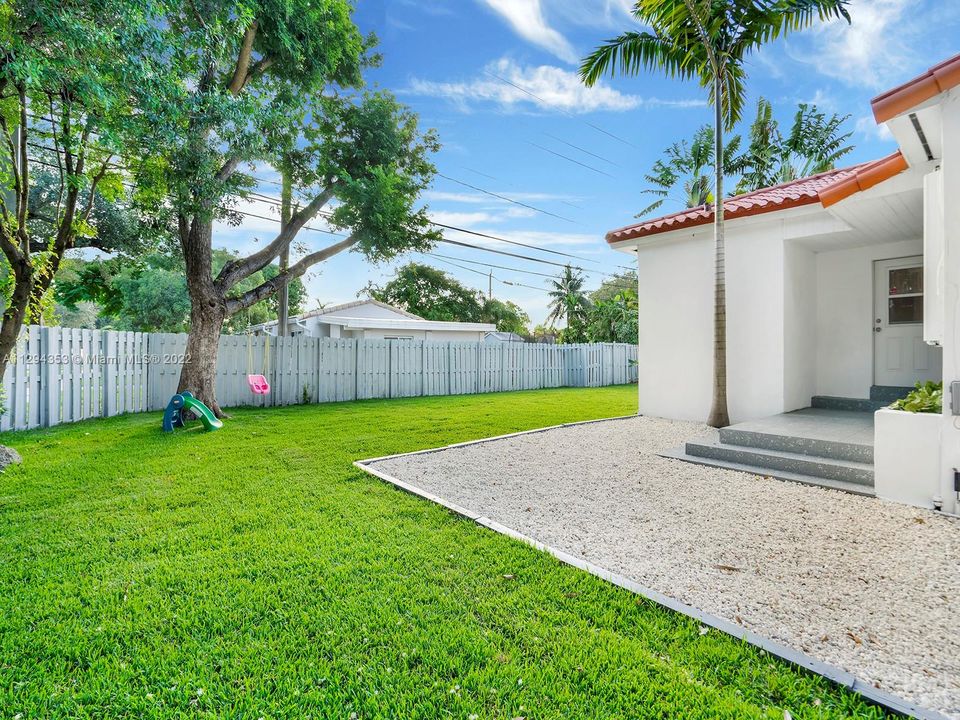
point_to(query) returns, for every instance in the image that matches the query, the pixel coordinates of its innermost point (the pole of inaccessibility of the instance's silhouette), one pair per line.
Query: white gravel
(867, 585)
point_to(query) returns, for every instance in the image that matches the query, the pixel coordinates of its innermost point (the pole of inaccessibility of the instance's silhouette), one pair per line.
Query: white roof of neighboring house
(405, 324)
(403, 320)
(338, 309)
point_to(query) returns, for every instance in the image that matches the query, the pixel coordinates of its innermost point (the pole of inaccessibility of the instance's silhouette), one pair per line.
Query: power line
(565, 112)
(584, 151)
(570, 159)
(505, 198)
(477, 233)
(444, 240)
(518, 270)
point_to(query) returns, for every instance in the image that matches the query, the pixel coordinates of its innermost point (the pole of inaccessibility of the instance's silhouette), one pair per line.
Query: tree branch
(237, 270)
(271, 286)
(240, 72)
(93, 188)
(228, 168)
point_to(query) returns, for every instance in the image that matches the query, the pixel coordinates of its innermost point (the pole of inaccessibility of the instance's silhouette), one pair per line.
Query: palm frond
(633, 52)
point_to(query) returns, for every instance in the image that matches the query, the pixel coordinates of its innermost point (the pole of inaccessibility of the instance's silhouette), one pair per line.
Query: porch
(829, 444)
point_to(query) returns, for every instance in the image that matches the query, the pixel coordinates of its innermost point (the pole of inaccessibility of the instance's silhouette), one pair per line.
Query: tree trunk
(283, 316)
(207, 313)
(718, 411)
(15, 312)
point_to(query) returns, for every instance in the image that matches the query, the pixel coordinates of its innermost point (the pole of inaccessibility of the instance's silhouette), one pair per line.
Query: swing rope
(266, 359)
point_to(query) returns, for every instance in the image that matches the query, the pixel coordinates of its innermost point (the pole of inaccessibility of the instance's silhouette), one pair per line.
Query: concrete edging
(836, 675)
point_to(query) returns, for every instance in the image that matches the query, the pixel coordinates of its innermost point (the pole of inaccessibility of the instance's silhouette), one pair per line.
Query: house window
(905, 296)
(398, 337)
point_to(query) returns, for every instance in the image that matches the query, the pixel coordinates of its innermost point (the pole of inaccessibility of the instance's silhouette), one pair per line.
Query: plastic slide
(173, 416)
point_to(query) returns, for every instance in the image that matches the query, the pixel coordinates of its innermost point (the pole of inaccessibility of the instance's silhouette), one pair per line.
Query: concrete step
(888, 393)
(779, 461)
(829, 402)
(812, 447)
(854, 488)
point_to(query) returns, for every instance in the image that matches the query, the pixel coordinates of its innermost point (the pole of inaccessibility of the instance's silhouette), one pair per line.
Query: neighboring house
(842, 289)
(503, 337)
(374, 320)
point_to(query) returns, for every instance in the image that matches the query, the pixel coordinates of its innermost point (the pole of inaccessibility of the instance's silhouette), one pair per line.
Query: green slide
(209, 420)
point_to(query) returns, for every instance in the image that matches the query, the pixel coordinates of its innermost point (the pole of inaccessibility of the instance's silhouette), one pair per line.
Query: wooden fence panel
(60, 375)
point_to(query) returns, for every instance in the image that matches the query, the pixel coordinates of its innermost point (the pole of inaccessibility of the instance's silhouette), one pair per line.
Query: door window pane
(904, 281)
(906, 310)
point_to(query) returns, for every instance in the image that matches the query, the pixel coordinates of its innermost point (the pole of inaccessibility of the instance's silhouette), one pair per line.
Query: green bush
(927, 398)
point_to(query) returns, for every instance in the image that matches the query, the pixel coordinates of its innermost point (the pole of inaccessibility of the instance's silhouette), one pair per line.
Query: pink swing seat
(258, 384)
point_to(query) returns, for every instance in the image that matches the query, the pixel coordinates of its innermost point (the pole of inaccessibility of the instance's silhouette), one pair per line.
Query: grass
(253, 572)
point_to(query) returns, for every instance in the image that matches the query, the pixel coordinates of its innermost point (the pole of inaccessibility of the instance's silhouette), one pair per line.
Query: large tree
(435, 295)
(683, 173)
(814, 144)
(709, 41)
(569, 303)
(67, 76)
(268, 83)
(148, 293)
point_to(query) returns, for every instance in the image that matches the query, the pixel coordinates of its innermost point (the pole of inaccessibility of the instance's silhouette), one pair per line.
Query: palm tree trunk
(718, 410)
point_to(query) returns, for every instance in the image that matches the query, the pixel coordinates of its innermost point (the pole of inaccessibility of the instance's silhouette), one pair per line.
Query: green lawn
(253, 572)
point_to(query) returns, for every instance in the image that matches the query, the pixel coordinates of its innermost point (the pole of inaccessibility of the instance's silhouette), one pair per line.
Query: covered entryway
(901, 357)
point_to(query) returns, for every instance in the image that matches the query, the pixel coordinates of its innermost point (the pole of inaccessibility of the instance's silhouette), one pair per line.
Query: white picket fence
(61, 375)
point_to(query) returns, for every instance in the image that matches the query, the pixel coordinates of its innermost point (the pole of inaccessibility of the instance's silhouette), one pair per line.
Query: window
(398, 337)
(905, 296)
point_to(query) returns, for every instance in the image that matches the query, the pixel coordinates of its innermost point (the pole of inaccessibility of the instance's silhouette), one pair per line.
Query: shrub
(927, 398)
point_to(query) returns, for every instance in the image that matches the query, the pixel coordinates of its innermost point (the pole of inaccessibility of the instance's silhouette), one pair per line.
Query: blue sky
(471, 69)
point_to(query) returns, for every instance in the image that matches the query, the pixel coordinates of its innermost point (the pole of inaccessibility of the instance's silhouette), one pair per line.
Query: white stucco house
(842, 289)
(374, 320)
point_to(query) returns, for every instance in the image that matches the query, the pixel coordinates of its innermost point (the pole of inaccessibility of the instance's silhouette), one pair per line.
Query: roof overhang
(821, 190)
(903, 98)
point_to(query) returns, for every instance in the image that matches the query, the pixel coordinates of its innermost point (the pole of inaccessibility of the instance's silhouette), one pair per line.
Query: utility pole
(490, 287)
(283, 317)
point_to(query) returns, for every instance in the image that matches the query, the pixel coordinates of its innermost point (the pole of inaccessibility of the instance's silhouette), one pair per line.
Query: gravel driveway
(867, 585)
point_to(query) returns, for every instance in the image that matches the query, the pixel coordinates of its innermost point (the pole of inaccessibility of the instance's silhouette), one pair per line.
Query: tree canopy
(68, 71)
(275, 84)
(435, 295)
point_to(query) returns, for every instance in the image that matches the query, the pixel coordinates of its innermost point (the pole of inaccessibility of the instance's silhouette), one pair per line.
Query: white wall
(950, 434)
(845, 316)
(455, 336)
(675, 352)
(755, 315)
(431, 335)
(800, 326)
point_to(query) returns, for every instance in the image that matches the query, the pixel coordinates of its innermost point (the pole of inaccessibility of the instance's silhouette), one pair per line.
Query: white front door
(901, 357)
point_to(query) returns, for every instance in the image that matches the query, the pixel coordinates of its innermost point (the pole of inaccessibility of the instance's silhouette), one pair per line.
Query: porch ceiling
(873, 219)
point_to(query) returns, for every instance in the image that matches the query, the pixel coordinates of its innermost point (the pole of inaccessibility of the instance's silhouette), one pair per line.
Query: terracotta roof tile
(827, 187)
(936, 80)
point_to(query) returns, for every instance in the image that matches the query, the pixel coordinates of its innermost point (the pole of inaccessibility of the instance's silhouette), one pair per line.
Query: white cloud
(527, 20)
(874, 49)
(868, 127)
(546, 87)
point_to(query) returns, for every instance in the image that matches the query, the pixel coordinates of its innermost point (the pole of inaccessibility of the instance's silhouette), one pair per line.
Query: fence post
(503, 367)
(356, 368)
(47, 397)
(449, 367)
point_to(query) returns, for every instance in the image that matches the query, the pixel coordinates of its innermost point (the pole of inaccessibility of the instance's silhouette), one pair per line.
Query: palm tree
(708, 40)
(687, 166)
(568, 301)
(814, 145)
